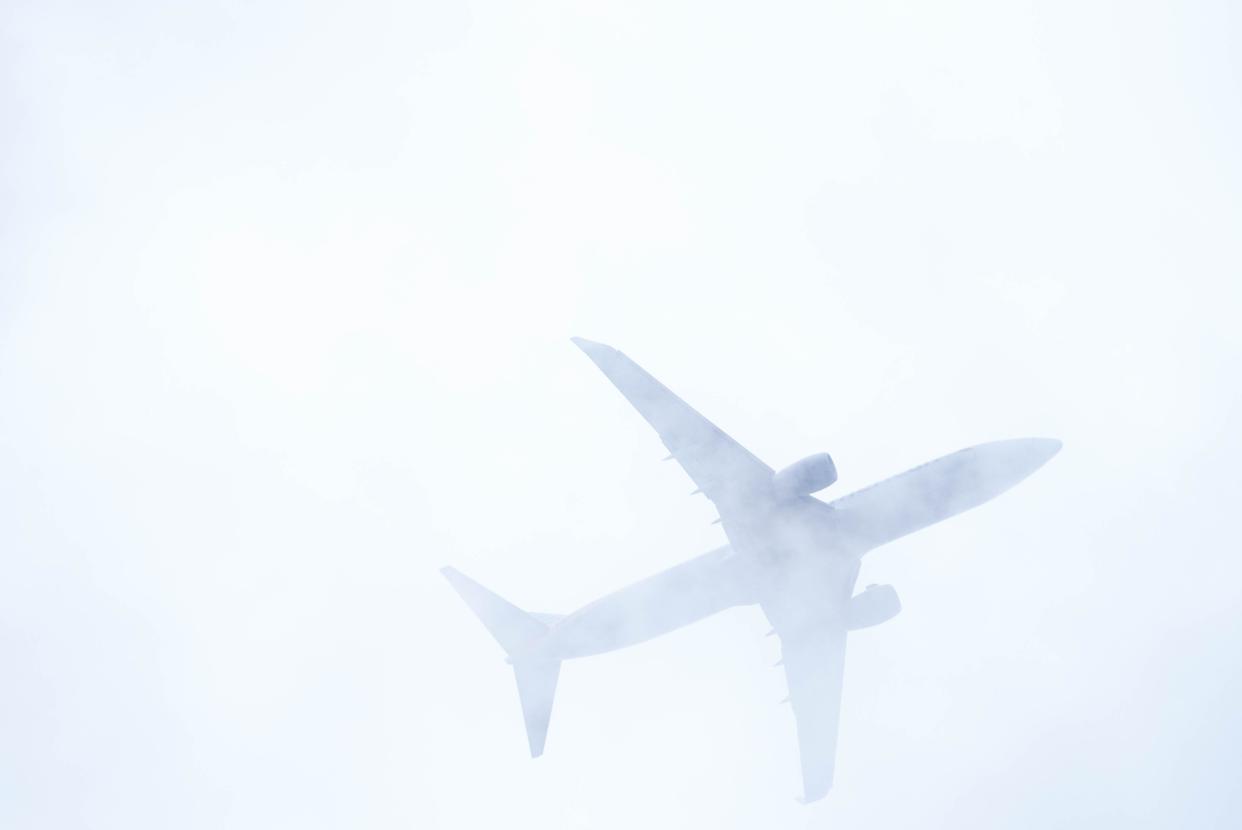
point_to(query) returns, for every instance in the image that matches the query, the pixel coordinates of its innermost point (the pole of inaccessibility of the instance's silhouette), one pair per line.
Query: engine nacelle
(877, 604)
(802, 478)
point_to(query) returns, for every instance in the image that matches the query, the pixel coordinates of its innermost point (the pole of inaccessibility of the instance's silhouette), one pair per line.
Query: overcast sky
(285, 298)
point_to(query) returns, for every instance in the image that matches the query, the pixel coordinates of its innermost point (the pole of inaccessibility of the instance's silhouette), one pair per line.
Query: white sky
(285, 299)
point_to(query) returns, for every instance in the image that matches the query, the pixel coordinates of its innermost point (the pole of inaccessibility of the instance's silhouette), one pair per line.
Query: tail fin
(516, 630)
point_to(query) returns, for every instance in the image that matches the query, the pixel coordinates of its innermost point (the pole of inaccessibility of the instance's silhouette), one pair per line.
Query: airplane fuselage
(787, 552)
(793, 555)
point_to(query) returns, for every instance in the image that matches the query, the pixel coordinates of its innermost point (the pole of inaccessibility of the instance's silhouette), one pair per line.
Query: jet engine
(877, 604)
(802, 478)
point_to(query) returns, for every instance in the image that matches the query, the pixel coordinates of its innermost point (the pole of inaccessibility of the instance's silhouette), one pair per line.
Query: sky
(286, 292)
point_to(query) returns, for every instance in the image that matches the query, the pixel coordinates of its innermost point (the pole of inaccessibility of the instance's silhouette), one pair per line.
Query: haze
(285, 304)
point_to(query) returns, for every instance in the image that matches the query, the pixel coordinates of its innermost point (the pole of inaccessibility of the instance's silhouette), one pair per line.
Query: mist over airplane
(793, 555)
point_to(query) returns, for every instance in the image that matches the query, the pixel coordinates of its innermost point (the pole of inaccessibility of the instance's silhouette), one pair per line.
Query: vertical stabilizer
(516, 631)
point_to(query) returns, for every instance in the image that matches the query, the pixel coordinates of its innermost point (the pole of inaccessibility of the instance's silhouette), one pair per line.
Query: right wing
(724, 470)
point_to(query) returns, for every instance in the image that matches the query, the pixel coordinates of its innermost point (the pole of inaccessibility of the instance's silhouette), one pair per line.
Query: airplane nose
(1024, 456)
(1044, 448)
(1002, 464)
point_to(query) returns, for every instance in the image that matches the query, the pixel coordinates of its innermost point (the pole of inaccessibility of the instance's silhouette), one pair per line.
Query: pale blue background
(285, 298)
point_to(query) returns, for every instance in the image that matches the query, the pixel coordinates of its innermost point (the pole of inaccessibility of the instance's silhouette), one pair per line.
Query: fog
(286, 292)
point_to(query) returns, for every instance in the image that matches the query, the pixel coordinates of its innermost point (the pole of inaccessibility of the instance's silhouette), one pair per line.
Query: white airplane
(792, 554)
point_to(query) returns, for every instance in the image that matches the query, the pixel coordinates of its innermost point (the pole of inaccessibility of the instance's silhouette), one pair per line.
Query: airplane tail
(516, 631)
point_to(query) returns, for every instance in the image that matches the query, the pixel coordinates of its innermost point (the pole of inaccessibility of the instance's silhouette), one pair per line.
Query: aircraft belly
(810, 590)
(785, 535)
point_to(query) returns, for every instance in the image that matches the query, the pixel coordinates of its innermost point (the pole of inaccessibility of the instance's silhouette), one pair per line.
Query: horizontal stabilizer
(517, 632)
(536, 684)
(512, 627)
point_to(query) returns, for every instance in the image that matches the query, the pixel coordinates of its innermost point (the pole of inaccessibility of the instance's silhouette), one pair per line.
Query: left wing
(724, 470)
(814, 660)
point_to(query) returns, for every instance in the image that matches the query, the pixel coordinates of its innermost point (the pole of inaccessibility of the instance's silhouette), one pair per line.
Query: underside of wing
(814, 660)
(724, 470)
(938, 489)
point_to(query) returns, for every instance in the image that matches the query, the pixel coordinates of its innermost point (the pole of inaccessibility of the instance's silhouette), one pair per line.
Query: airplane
(793, 555)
